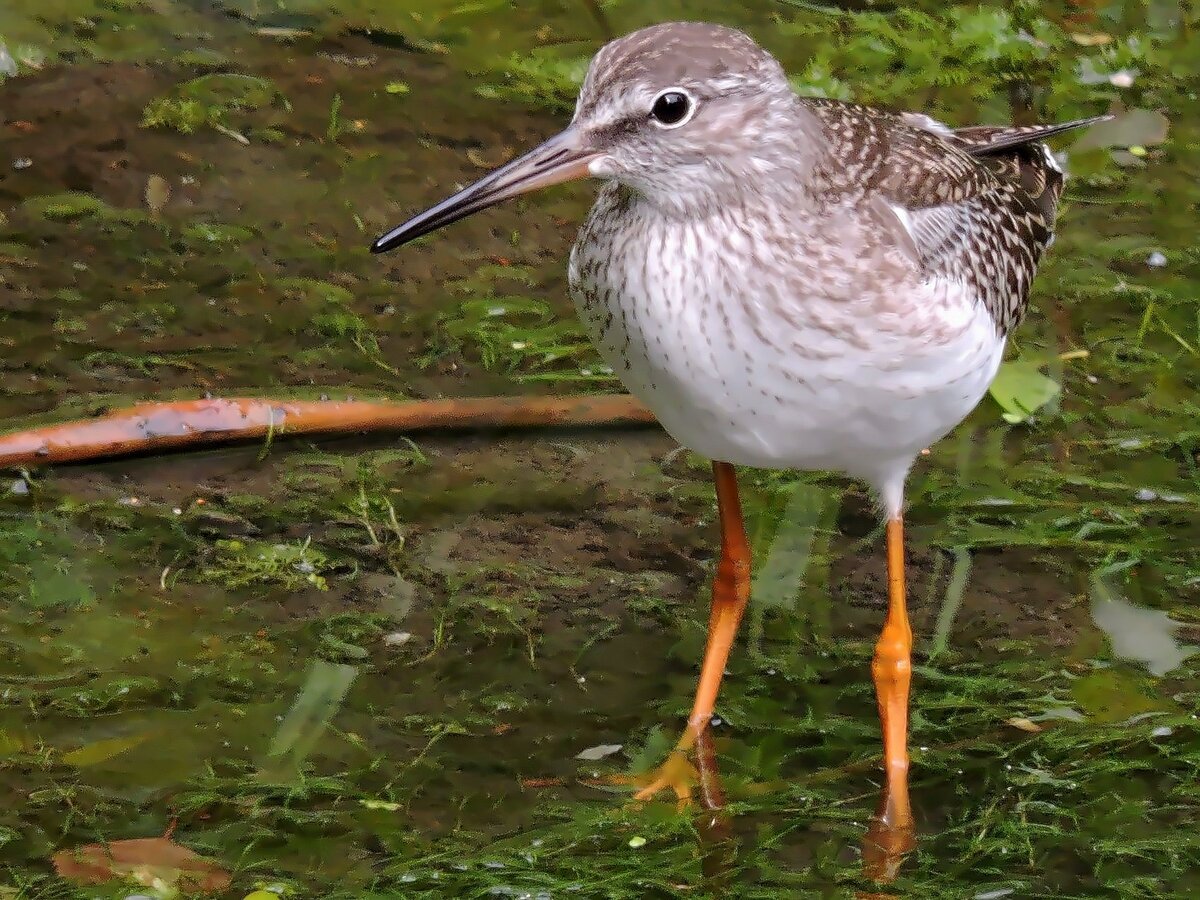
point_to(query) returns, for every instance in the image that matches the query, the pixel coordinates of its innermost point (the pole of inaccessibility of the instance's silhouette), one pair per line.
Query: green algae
(494, 604)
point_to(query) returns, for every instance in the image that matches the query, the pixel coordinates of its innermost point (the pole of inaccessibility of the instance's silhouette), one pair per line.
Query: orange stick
(154, 427)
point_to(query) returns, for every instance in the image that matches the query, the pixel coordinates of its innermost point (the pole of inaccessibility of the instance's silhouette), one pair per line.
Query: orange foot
(676, 774)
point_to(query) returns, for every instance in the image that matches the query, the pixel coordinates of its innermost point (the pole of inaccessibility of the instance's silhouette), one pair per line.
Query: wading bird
(790, 283)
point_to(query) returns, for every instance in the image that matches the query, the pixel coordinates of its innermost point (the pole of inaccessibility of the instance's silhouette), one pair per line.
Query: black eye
(671, 107)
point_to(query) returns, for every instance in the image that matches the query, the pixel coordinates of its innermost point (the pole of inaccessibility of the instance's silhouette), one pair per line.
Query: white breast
(764, 352)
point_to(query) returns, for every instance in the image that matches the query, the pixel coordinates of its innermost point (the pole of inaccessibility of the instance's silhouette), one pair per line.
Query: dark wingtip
(999, 140)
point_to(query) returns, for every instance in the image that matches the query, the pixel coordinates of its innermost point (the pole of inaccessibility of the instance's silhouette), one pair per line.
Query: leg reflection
(718, 849)
(890, 836)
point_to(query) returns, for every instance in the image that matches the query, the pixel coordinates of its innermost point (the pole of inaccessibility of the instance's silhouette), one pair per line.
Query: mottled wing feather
(875, 150)
(978, 203)
(1017, 154)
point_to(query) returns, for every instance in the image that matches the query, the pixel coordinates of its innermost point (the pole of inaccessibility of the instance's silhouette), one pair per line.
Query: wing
(987, 140)
(974, 205)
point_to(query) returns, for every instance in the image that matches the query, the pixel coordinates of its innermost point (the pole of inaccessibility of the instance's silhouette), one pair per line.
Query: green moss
(240, 564)
(74, 205)
(210, 101)
(540, 78)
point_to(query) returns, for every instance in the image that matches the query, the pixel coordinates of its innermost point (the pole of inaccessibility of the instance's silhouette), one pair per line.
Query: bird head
(675, 112)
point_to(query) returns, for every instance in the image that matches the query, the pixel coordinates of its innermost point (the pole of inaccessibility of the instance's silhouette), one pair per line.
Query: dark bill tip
(392, 239)
(562, 158)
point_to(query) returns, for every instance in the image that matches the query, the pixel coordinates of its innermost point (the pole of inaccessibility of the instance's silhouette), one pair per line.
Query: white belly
(738, 370)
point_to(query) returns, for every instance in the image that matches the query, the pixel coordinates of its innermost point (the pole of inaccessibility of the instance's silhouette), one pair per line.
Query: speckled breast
(757, 340)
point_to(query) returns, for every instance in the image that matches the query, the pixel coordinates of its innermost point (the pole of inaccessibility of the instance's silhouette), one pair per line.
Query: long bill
(562, 158)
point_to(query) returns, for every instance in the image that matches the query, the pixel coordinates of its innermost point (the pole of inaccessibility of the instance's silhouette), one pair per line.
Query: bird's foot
(676, 774)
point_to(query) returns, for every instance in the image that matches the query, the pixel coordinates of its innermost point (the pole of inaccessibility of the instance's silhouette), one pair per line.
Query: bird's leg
(730, 593)
(892, 833)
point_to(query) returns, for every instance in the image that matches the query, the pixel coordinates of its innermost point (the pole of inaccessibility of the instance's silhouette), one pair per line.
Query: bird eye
(671, 108)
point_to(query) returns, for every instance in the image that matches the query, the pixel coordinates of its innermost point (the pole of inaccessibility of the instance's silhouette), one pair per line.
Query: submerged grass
(366, 671)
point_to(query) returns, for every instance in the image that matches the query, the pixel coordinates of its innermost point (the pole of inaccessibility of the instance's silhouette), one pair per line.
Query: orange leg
(730, 593)
(891, 834)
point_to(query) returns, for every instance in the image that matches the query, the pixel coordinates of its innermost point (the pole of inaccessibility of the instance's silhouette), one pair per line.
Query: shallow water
(365, 667)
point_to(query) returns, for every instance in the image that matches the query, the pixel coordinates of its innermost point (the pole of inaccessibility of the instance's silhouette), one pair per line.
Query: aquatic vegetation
(517, 334)
(976, 54)
(538, 79)
(238, 563)
(514, 333)
(494, 604)
(210, 101)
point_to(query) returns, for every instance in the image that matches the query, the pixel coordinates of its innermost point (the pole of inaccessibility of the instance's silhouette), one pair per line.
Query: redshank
(790, 283)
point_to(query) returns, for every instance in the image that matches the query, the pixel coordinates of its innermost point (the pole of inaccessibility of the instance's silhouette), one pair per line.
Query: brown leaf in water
(153, 862)
(1024, 724)
(157, 193)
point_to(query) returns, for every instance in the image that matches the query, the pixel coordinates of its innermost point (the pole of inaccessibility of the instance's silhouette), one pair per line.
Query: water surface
(364, 667)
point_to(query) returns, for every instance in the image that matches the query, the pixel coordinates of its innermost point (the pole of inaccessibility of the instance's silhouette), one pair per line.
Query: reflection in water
(718, 849)
(803, 516)
(1142, 635)
(960, 573)
(319, 700)
(891, 834)
(956, 589)
(806, 512)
